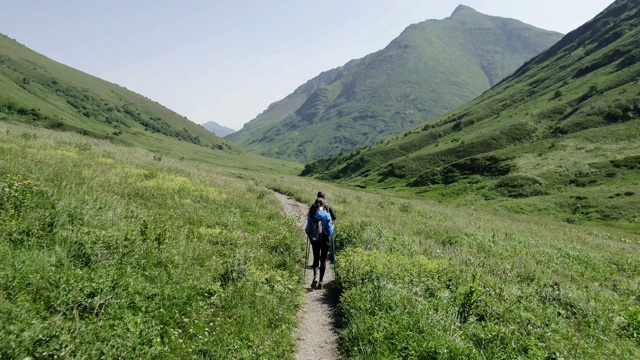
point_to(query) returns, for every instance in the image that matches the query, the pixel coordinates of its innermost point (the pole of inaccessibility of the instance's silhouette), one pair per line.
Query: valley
(504, 226)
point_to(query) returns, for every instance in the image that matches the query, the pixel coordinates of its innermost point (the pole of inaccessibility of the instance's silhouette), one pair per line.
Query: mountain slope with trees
(559, 136)
(432, 67)
(39, 91)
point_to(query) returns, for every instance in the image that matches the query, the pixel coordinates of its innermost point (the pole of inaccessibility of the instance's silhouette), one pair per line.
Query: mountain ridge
(430, 68)
(218, 129)
(562, 130)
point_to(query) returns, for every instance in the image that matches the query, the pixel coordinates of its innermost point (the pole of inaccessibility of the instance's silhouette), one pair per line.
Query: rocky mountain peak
(462, 9)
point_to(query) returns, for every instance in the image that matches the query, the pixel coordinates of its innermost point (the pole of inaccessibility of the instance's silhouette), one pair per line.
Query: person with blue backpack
(329, 209)
(319, 231)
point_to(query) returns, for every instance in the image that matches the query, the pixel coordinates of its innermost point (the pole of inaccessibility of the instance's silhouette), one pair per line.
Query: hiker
(319, 237)
(329, 209)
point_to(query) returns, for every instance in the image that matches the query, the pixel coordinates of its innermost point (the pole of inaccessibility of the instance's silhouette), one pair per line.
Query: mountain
(560, 136)
(432, 67)
(39, 91)
(217, 129)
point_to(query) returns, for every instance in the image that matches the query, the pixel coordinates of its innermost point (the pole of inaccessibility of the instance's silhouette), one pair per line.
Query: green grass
(106, 252)
(420, 279)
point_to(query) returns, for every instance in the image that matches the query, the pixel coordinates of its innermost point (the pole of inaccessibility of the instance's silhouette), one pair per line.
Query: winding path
(316, 335)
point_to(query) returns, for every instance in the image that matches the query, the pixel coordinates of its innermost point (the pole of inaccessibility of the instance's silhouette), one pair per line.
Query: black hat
(321, 194)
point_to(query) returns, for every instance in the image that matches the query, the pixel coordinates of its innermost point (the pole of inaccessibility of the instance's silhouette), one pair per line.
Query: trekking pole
(306, 258)
(333, 251)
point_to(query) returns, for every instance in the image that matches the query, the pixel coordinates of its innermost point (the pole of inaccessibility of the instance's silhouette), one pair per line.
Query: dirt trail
(317, 336)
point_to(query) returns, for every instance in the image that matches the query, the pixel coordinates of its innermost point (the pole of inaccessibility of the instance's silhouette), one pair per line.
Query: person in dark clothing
(317, 212)
(321, 195)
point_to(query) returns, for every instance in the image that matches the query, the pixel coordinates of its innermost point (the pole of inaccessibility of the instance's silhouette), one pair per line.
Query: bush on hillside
(429, 177)
(489, 166)
(519, 186)
(630, 163)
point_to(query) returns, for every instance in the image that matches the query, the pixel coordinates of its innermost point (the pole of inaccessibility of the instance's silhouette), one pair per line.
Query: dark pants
(320, 251)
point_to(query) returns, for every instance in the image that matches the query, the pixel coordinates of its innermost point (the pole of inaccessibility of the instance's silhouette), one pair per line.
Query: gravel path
(317, 336)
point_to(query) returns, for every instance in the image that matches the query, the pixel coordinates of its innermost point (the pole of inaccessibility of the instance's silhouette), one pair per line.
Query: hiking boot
(313, 283)
(319, 286)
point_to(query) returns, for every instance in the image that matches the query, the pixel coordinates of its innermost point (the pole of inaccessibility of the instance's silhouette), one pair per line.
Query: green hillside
(40, 92)
(250, 133)
(106, 253)
(432, 67)
(560, 136)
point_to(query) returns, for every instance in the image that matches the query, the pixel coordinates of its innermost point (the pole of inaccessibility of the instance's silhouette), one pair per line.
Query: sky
(227, 60)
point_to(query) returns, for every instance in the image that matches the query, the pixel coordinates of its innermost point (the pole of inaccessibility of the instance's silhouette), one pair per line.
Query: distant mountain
(217, 129)
(560, 136)
(432, 67)
(39, 91)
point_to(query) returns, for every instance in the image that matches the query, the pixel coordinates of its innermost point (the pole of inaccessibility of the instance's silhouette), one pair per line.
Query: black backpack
(315, 236)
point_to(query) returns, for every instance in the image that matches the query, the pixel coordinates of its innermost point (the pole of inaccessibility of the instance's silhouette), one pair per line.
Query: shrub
(630, 163)
(354, 234)
(557, 94)
(630, 326)
(519, 186)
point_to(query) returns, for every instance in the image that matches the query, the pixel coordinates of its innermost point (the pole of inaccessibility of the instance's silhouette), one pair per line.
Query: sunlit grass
(171, 258)
(106, 252)
(424, 280)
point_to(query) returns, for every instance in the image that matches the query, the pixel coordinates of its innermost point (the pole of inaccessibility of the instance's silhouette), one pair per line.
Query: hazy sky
(227, 60)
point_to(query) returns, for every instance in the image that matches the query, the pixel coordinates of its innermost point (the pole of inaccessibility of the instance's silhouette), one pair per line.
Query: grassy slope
(252, 130)
(106, 253)
(430, 68)
(558, 137)
(420, 279)
(31, 80)
(40, 92)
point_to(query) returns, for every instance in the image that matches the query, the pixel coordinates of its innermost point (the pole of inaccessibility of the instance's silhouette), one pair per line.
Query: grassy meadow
(107, 252)
(421, 280)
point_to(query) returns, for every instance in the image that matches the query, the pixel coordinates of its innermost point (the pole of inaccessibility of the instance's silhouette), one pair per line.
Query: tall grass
(108, 253)
(501, 288)
(423, 280)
